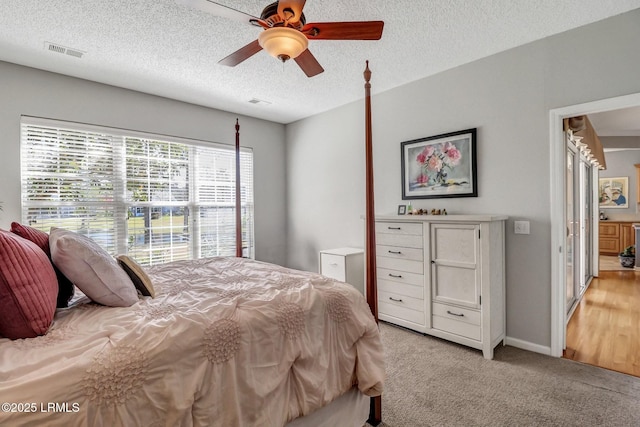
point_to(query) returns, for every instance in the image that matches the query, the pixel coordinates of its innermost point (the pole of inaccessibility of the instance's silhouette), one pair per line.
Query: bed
(225, 342)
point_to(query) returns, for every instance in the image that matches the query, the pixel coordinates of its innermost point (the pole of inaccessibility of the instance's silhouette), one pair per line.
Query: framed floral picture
(613, 192)
(440, 166)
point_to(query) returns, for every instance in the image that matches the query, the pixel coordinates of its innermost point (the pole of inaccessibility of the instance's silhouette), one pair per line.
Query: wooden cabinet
(345, 265)
(443, 276)
(615, 236)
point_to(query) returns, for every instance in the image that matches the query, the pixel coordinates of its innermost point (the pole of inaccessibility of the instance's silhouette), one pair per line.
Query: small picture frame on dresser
(402, 209)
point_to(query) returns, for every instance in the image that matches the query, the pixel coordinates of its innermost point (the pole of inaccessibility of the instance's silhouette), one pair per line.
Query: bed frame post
(238, 201)
(375, 410)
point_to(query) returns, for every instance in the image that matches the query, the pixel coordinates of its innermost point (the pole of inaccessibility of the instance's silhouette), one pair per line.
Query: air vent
(259, 101)
(52, 47)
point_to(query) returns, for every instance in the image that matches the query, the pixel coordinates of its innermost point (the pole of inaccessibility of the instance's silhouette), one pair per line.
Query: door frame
(557, 151)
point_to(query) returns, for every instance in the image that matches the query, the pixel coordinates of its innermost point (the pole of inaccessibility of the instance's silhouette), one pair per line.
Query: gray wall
(507, 97)
(27, 91)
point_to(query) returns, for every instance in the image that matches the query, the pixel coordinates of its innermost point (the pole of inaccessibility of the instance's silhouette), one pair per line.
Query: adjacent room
(319, 213)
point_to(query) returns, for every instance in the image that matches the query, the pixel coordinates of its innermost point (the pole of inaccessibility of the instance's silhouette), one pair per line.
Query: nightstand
(345, 265)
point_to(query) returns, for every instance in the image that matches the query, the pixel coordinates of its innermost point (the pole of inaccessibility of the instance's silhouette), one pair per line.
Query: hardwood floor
(605, 328)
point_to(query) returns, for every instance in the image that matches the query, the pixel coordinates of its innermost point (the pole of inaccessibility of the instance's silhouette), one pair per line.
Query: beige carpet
(432, 382)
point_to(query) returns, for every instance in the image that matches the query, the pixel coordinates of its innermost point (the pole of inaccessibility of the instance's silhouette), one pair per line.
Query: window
(155, 198)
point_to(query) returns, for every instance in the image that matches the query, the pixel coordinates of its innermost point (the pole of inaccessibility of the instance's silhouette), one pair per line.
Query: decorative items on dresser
(345, 265)
(615, 236)
(444, 276)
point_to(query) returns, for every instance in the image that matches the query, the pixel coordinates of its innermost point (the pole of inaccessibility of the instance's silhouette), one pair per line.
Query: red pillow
(40, 238)
(28, 288)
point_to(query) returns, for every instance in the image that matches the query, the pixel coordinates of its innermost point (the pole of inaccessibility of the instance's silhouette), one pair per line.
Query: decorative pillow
(137, 274)
(28, 288)
(95, 272)
(40, 238)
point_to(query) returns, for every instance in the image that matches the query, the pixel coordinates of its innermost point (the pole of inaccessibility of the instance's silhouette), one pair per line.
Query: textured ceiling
(166, 49)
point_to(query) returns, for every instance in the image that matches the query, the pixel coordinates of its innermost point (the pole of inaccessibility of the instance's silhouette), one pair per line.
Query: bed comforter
(226, 342)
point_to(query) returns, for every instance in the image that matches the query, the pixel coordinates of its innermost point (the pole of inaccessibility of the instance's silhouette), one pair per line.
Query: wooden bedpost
(375, 410)
(238, 198)
(370, 224)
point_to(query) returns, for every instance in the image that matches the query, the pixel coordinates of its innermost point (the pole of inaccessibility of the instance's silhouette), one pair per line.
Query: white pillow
(95, 272)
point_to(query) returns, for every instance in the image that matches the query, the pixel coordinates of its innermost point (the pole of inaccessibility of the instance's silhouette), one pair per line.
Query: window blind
(153, 197)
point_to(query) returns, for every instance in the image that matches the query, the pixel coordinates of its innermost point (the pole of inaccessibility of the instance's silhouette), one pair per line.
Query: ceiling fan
(286, 32)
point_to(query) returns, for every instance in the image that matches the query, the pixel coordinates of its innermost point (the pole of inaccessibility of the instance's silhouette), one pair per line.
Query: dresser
(345, 265)
(444, 276)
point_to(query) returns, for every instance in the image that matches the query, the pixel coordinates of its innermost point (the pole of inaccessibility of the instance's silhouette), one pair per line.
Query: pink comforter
(226, 342)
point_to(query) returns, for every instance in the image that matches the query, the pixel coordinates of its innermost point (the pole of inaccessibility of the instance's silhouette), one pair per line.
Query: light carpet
(432, 382)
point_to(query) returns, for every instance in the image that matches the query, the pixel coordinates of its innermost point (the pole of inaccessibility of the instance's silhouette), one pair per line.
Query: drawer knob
(395, 252)
(455, 314)
(394, 228)
(396, 300)
(333, 263)
(397, 276)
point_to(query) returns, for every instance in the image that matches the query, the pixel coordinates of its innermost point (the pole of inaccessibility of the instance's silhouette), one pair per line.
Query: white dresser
(443, 276)
(345, 265)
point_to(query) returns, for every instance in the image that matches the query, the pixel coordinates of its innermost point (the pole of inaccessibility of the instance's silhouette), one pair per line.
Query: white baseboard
(529, 346)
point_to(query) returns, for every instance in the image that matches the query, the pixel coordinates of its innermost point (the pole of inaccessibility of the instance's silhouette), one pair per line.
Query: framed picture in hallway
(440, 166)
(613, 192)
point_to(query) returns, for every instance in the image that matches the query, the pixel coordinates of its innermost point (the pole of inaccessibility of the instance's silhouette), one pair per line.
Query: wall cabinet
(443, 276)
(345, 265)
(615, 236)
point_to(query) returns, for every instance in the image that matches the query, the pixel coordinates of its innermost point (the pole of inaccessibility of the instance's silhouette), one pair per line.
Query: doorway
(559, 215)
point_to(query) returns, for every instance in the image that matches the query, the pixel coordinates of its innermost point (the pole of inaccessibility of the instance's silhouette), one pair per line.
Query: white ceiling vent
(259, 101)
(53, 47)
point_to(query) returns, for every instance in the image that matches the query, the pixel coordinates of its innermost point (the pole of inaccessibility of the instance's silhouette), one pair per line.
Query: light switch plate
(521, 227)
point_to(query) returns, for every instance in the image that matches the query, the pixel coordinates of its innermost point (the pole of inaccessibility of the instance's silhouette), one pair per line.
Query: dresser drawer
(399, 300)
(456, 320)
(400, 276)
(399, 228)
(412, 291)
(391, 312)
(455, 327)
(406, 241)
(460, 314)
(400, 264)
(416, 254)
(333, 266)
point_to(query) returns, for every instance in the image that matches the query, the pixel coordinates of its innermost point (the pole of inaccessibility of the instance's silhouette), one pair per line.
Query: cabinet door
(627, 236)
(455, 257)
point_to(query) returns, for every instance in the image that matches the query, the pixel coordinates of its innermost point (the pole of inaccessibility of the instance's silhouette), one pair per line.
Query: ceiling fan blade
(359, 30)
(241, 54)
(218, 9)
(309, 63)
(296, 8)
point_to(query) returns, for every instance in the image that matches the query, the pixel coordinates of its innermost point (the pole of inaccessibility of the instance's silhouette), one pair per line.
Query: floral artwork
(440, 166)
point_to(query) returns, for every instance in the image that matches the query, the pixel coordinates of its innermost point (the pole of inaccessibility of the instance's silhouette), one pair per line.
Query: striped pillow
(28, 288)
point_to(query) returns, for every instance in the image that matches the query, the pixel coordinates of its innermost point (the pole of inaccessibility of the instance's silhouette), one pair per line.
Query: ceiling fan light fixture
(283, 43)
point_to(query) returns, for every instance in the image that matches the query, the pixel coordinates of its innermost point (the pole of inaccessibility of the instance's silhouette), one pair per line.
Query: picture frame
(613, 193)
(440, 166)
(402, 209)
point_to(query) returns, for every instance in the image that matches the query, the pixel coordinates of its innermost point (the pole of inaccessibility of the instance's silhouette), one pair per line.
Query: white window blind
(153, 197)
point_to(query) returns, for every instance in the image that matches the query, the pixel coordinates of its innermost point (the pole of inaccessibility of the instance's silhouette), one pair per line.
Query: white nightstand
(345, 265)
